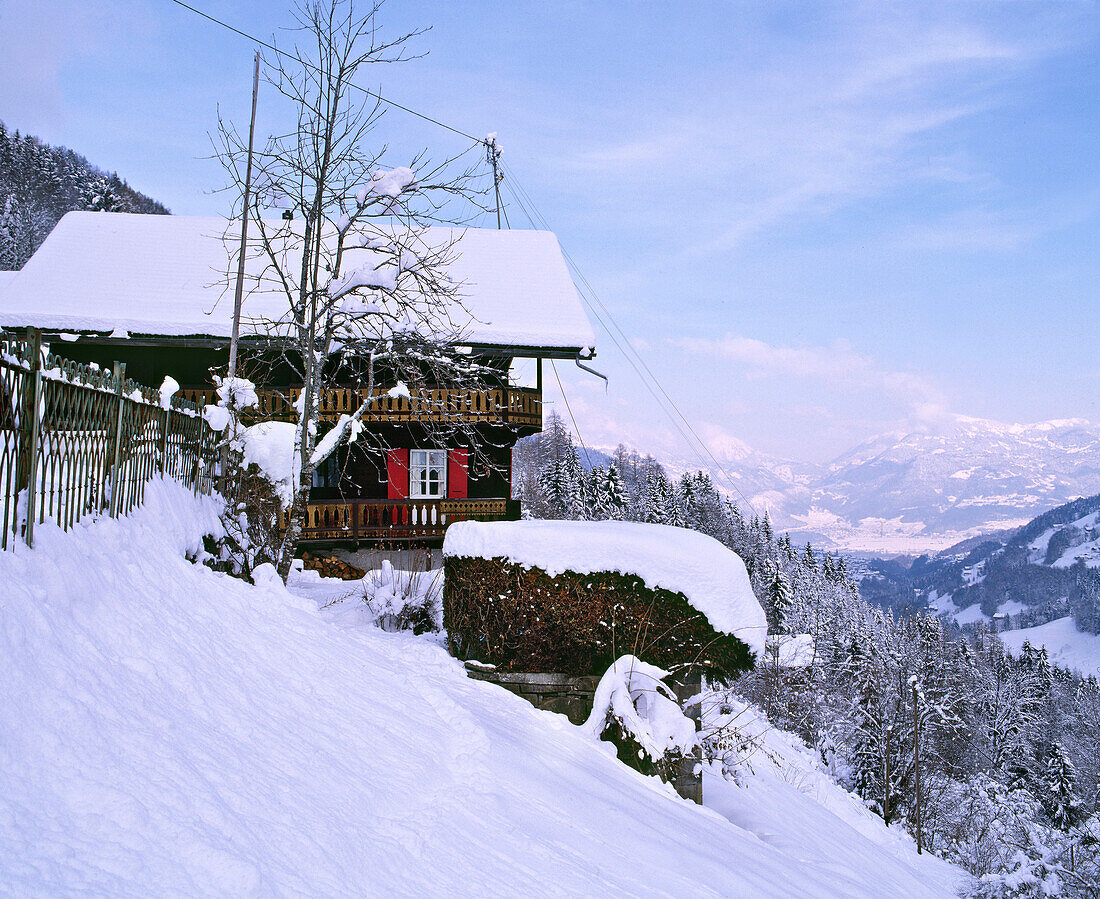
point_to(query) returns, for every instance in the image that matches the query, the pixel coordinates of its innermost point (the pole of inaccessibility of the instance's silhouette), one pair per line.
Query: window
(427, 473)
(325, 475)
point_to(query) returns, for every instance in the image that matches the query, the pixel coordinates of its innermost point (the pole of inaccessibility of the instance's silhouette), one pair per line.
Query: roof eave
(105, 338)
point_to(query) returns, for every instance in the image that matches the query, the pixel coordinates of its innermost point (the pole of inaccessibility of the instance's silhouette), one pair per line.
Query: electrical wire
(588, 293)
(537, 220)
(569, 409)
(308, 65)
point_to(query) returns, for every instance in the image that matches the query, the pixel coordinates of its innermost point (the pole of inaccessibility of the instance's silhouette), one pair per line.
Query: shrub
(403, 600)
(521, 619)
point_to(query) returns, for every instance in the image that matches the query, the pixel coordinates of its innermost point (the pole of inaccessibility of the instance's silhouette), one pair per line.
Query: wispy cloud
(841, 114)
(838, 366)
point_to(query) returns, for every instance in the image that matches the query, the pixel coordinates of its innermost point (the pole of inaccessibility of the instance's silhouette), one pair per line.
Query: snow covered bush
(572, 597)
(638, 713)
(404, 600)
(251, 519)
(522, 619)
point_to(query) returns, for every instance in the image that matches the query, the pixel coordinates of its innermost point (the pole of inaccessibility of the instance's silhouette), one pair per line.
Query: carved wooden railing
(515, 406)
(395, 519)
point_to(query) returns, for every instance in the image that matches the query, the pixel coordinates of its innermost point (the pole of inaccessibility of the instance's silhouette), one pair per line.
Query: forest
(40, 183)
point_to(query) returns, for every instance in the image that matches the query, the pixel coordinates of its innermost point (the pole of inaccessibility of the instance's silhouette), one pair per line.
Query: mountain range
(915, 492)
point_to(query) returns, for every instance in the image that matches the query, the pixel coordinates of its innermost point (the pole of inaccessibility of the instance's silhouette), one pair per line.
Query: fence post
(26, 477)
(116, 488)
(164, 441)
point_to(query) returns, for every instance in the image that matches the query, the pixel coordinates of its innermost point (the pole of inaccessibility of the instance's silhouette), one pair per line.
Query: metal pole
(916, 765)
(494, 154)
(238, 294)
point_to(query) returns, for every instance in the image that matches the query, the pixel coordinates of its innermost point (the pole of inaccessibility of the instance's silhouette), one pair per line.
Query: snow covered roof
(711, 576)
(6, 279)
(166, 275)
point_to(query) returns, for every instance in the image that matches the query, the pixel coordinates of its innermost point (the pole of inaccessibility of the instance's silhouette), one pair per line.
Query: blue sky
(817, 222)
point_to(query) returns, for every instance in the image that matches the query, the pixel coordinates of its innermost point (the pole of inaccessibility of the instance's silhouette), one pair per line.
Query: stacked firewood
(330, 566)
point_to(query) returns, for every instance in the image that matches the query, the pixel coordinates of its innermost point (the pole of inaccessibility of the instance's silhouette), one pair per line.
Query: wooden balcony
(383, 520)
(518, 407)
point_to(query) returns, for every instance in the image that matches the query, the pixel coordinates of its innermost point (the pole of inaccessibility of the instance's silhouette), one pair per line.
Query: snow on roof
(6, 280)
(167, 275)
(711, 576)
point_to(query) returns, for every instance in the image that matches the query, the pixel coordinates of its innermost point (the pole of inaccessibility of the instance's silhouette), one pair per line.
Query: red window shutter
(457, 462)
(397, 472)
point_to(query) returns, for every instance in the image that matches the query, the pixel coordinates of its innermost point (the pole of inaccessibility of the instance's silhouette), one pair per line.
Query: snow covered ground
(788, 800)
(168, 730)
(1065, 644)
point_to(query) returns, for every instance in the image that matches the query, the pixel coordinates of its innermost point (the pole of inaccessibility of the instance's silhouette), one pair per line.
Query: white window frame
(422, 461)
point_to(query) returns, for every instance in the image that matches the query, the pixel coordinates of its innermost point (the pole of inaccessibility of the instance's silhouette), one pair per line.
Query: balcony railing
(519, 407)
(397, 519)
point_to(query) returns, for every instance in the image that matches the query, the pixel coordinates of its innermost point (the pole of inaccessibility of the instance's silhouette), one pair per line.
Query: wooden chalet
(152, 292)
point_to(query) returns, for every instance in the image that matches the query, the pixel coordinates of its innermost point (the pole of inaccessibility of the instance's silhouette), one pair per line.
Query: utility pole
(916, 764)
(492, 154)
(238, 295)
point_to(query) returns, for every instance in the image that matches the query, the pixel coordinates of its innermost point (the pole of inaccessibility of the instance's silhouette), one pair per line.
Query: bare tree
(362, 283)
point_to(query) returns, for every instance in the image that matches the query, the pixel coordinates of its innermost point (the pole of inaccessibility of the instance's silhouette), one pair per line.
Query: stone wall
(570, 696)
(574, 697)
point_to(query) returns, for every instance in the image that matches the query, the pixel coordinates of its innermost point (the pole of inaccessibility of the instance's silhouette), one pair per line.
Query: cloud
(839, 366)
(833, 114)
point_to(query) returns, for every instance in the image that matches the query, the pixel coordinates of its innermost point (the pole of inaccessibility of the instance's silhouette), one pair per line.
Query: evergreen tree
(1059, 795)
(779, 596)
(40, 183)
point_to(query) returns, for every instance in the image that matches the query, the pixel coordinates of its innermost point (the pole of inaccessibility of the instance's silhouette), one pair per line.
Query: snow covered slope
(167, 730)
(785, 796)
(1065, 644)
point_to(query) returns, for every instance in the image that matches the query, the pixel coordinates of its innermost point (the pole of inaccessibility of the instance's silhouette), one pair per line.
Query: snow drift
(168, 730)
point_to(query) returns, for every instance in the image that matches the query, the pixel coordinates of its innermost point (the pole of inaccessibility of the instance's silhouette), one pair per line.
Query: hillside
(1041, 580)
(174, 730)
(931, 490)
(40, 183)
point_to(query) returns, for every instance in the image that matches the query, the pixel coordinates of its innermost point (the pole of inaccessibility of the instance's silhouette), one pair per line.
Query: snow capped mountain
(913, 492)
(908, 492)
(928, 490)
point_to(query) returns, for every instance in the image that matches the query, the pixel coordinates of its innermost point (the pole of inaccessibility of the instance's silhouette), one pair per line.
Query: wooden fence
(76, 440)
(372, 520)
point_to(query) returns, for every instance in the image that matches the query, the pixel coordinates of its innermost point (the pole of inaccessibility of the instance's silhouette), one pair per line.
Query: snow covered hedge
(572, 597)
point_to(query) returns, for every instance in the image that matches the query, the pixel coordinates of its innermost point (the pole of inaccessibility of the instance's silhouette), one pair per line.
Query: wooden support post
(116, 444)
(26, 478)
(538, 384)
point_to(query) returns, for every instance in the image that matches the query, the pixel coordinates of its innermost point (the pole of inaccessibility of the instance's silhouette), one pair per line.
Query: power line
(589, 293)
(308, 65)
(569, 409)
(596, 314)
(532, 214)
